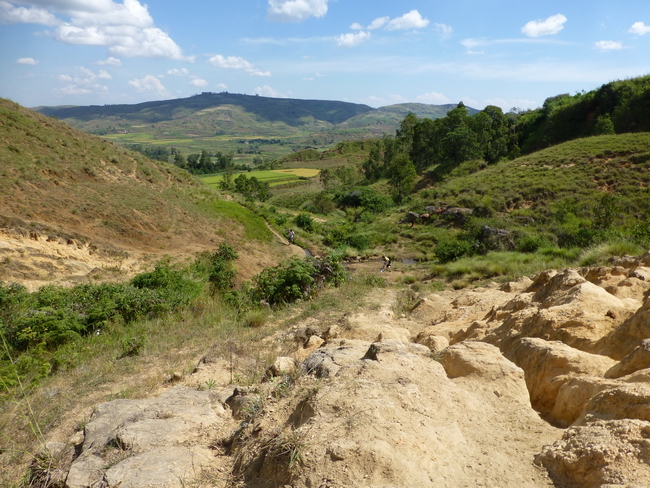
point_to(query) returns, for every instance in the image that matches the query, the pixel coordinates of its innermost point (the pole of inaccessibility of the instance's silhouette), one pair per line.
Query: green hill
(230, 123)
(59, 184)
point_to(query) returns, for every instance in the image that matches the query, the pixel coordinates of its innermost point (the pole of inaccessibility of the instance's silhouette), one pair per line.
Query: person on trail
(292, 235)
(386, 266)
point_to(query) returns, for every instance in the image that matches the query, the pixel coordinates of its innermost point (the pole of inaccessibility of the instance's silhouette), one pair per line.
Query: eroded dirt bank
(535, 383)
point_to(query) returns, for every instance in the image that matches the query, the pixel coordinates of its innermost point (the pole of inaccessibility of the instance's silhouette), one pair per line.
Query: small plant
(132, 346)
(288, 446)
(211, 383)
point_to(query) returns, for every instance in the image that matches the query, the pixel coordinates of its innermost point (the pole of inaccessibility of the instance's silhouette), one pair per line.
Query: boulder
(326, 361)
(435, 343)
(134, 435)
(165, 467)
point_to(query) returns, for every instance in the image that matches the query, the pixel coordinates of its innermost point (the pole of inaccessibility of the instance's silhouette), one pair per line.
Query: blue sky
(509, 53)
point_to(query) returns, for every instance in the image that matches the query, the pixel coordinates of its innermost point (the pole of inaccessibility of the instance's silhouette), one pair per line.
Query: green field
(272, 177)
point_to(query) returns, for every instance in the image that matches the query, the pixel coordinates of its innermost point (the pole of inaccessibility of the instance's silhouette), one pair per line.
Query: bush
(291, 280)
(451, 250)
(296, 279)
(305, 222)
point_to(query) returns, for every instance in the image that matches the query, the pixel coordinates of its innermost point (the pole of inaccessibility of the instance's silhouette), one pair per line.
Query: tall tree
(401, 177)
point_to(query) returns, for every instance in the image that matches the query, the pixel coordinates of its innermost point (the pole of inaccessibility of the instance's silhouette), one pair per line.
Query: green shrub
(291, 280)
(530, 244)
(451, 250)
(305, 222)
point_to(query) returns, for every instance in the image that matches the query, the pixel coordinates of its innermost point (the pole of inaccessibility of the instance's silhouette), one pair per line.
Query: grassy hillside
(59, 182)
(247, 126)
(289, 111)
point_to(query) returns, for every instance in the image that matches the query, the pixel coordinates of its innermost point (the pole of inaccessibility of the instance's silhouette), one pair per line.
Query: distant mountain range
(209, 114)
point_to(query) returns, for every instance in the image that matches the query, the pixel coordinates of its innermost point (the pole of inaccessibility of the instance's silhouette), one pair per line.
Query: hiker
(292, 235)
(386, 266)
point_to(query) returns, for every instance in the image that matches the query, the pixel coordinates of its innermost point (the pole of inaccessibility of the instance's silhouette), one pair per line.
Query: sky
(508, 53)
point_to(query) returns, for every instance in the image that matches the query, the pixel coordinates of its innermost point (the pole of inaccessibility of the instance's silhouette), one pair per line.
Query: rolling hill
(222, 116)
(74, 205)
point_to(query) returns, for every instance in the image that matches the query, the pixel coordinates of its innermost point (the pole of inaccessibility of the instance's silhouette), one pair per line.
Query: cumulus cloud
(411, 20)
(377, 23)
(221, 86)
(126, 28)
(353, 39)
(83, 82)
(29, 61)
(433, 97)
(111, 61)
(267, 91)
(639, 28)
(608, 45)
(149, 84)
(296, 10)
(198, 82)
(552, 25)
(11, 14)
(178, 72)
(235, 62)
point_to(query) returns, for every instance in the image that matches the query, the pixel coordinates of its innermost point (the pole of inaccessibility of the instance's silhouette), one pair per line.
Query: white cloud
(178, 72)
(434, 98)
(356, 26)
(639, 28)
(10, 14)
(552, 25)
(198, 82)
(377, 23)
(111, 61)
(149, 84)
(411, 20)
(351, 39)
(235, 62)
(30, 61)
(296, 10)
(84, 82)
(267, 91)
(608, 45)
(445, 30)
(221, 86)
(124, 28)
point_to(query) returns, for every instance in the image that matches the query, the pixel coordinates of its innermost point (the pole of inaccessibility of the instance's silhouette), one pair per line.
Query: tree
(180, 161)
(604, 125)
(401, 177)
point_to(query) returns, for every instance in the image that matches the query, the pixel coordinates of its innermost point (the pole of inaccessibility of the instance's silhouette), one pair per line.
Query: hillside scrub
(36, 326)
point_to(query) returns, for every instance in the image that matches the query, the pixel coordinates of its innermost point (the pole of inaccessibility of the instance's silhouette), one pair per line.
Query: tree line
(202, 163)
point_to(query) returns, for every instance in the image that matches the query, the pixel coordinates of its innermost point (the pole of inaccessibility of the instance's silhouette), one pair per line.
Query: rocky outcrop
(535, 383)
(149, 442)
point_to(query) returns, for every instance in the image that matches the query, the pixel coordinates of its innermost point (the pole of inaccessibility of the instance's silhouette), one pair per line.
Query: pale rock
(281, 366)
(165, 467)
(627, 401)
(574, 395)
(627, 336)
(636, 360)
(548, 365)
(435, 343)
(611, 454)
(326, 361)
